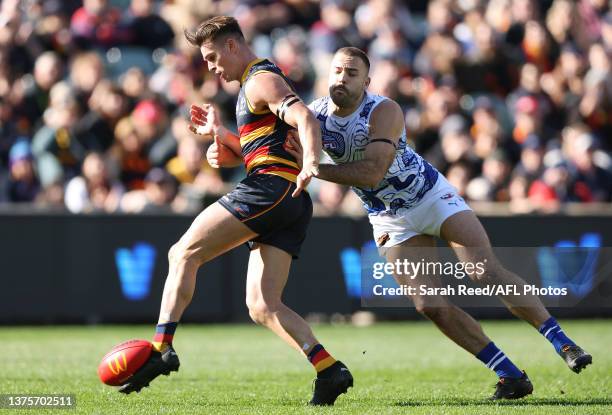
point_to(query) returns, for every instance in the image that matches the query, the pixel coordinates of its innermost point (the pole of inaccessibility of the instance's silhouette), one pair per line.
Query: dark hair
(355, 52)
(213, 29)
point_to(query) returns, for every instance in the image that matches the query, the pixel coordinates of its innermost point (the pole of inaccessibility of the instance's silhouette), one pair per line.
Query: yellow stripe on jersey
(259, 132)
(267, 159)
(284, 175)
(248, 68)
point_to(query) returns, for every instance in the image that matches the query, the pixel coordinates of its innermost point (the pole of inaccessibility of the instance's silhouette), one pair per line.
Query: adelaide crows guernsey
(262, 133)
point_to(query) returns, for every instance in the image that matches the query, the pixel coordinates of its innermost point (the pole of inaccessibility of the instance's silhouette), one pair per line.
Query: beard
(343, 99)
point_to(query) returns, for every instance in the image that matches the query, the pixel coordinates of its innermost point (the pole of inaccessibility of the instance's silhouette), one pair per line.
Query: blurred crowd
(511, 99)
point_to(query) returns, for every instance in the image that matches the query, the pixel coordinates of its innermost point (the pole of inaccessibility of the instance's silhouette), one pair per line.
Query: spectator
(149, 120)
(260, 17)
(98, 24)
(336, 29)
(48, 70)
(145, 27)
(437, 108)
(494, 179)
(538, 47)
(159, 191)
(21, 185)
(486, 67)
(129, 155)
(94, 190)
(290, 54)
(527, 118)
(596, 104)
(195, 177)
(547, 193)
(134, 86)
(384, 77)
(107, 105)
(563, 23)
(455, 144)
(54, 145)
(488, 132)
(459, 175)
(592, 183)
(438, 55)
(86, 70)
(373, 15)
(531, 164)
(521, 12)
(564, 85)
(591, 13)
(477, 81)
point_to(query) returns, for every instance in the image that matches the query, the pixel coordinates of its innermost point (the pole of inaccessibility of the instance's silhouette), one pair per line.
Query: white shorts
(425, 218)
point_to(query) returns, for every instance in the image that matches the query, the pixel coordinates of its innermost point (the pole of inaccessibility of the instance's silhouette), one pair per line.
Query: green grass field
(400, 368)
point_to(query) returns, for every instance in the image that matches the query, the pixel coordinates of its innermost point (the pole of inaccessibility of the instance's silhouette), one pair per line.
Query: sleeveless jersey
(262, 133)
(409, 177)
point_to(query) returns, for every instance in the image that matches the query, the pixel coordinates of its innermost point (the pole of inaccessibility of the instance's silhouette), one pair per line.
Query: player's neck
(248, 57)
(245, 60)
(346, 111)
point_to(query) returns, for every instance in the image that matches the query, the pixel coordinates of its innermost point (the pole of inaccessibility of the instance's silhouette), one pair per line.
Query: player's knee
(432, 309)
(173, 253)
(491, 275)
(180, 253)
(261, 312)
(483, 279)
(428, 311)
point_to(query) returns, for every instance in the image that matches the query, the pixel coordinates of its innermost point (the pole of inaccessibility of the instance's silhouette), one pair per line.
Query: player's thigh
(469, 240)
(418, 249)
(267, 275)
(213, 232)
(411, 249)
(464, 229)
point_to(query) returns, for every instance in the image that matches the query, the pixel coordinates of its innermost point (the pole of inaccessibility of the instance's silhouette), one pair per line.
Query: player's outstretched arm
(386, 128)
(225, 150)
(269, 90)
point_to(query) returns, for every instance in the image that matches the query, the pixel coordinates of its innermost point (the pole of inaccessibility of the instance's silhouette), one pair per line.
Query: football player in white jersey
(409, 203)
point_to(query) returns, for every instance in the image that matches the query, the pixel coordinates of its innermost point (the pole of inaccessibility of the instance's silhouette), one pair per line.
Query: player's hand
(293, 146)
(205, 120)
(219, 154)
(309, 171)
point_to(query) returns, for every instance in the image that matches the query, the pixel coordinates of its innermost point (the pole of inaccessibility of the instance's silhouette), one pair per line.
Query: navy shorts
(263, 202)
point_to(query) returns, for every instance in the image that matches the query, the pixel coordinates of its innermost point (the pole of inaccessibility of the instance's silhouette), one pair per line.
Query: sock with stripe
(553, 333)
(163, 336)
(496, 360)
(320, 359)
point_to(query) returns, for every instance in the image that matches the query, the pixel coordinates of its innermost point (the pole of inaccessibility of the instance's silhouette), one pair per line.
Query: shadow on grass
(524, 402)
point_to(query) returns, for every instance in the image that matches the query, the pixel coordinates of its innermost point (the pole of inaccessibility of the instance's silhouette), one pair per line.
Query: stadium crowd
(511, 99)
